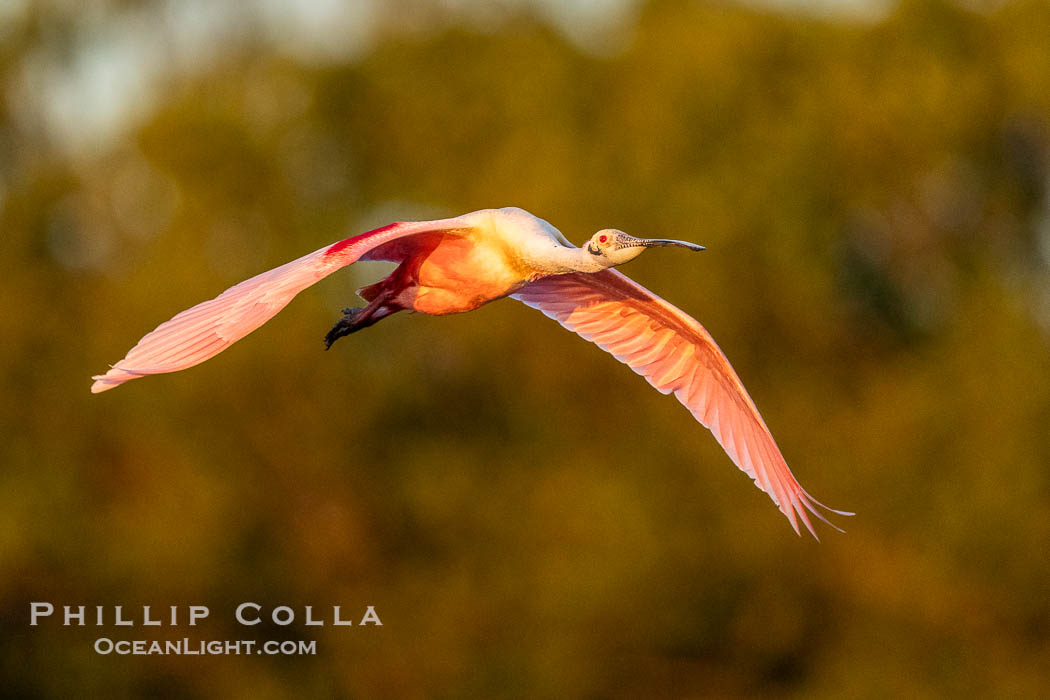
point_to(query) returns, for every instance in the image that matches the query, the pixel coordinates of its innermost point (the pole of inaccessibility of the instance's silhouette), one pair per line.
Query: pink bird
(454, 265)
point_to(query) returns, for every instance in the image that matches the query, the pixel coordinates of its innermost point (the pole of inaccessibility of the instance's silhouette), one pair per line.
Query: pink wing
(210, 327)
(675, 354)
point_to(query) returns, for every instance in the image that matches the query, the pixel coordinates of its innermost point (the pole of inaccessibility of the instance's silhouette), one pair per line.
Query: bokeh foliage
(529, 517)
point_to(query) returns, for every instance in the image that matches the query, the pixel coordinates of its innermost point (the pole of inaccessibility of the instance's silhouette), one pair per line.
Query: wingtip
(827, 507)
(110, 380)
(805, 502)
(101, 385)
(805, 518)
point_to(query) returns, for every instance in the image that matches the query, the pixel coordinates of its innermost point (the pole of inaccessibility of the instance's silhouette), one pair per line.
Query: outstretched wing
(208, 328)
(675, 354)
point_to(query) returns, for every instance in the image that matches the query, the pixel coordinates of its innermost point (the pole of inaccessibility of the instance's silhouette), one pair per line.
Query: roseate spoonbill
(454, 265)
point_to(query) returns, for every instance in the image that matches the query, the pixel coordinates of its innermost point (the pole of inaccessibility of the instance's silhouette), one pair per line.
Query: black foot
(345, 326)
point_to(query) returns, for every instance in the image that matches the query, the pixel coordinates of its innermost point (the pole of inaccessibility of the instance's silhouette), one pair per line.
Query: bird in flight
(455, 265)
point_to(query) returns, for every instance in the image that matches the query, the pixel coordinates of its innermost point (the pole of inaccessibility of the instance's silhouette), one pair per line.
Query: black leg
(344, 326)
(354, 320)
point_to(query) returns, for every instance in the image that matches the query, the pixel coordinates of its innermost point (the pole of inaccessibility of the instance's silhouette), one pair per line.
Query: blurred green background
(871, 181)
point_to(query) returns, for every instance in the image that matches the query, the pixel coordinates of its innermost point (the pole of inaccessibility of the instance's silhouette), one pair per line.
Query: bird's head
(610, 247)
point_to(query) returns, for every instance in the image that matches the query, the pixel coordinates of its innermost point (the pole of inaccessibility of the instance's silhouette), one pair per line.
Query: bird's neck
(560, 260)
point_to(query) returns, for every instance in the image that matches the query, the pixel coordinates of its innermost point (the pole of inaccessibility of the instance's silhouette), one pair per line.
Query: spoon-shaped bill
(632, 242)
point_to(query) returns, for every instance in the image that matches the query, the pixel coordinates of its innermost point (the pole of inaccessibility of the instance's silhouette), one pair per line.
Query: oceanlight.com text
(192, 647)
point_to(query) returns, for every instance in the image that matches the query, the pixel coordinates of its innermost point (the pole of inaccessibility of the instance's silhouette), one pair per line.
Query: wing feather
(205, 330)
(676, 355)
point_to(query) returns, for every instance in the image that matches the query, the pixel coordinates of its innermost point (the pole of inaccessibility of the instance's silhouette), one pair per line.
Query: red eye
(602, 239)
